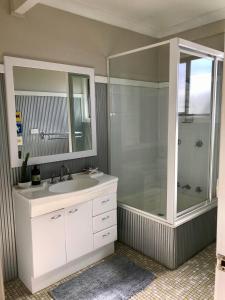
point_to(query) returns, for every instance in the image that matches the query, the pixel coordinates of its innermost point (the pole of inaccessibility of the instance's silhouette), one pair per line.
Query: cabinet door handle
(105, 201)
(105, 218)
(72, 211)
(106, 234)
(56, 217)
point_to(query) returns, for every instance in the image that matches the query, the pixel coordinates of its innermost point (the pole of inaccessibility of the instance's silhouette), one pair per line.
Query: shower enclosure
(164, 117)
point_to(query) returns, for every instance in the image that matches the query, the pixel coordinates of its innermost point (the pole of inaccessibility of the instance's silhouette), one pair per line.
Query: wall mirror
(51, 111)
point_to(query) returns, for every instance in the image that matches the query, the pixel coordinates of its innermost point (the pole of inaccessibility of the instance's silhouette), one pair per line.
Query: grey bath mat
(116, 278)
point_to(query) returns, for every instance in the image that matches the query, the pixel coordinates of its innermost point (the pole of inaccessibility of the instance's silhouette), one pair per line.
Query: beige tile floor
(192, 281)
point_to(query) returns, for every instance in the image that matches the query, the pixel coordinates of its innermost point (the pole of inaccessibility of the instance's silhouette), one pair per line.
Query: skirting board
(46, 280)
(169, 246)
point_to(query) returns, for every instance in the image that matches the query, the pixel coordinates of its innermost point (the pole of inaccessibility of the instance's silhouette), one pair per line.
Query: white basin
(73, 185)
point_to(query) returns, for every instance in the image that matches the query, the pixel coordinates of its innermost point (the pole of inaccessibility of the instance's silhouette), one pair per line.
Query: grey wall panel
(6, 203)
(193, 236)
(9, 177)
(147, 236)
(169, 246)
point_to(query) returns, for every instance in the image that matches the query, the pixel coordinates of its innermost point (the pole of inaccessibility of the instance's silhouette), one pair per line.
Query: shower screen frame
(176, 47)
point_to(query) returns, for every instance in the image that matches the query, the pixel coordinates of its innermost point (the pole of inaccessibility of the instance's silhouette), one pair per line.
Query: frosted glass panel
(138, 115)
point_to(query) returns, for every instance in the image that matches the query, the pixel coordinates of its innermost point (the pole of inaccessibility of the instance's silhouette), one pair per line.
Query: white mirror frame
(9, 63)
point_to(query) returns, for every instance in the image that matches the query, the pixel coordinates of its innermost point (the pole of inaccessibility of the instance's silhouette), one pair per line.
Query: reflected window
(195, 86)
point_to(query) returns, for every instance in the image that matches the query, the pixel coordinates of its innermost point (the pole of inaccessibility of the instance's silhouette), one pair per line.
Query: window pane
(200, 86)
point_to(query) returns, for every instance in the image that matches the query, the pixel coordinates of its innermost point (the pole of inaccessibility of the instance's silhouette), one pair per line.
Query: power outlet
(34, 131)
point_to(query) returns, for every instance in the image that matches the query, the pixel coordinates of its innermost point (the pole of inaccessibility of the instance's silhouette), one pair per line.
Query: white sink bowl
(73, 185)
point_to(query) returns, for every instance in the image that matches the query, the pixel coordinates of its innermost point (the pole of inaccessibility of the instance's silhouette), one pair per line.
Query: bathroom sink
(73, 185)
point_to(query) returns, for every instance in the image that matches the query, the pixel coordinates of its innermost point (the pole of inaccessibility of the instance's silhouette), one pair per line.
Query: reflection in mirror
(80, 113)
(53, 113)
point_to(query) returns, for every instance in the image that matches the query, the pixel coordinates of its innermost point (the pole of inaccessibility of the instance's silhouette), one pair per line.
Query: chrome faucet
(62, 173)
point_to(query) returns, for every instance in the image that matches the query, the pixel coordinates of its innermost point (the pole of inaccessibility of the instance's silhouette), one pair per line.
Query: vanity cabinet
(48, 242)
(60, 237)
(79, 233)
(59, 234)
(67, 234)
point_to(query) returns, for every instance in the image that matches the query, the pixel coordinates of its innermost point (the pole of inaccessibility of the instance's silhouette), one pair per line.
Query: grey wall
(49, 34)
(6, 204)
(9, 177)
(147, 65)
(39, 80)
(211, 35)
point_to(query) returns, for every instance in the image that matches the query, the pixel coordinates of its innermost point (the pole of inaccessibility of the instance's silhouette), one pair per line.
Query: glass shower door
(195, 126)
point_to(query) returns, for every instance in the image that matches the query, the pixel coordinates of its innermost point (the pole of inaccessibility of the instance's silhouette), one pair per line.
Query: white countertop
(40, 200)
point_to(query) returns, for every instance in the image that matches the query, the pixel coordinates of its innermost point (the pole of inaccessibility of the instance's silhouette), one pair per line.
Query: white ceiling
(157, 18)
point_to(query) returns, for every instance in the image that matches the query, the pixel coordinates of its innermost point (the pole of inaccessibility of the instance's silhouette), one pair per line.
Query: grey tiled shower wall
(9, 177)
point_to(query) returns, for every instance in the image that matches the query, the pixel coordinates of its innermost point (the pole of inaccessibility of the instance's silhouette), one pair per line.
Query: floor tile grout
(192, 281)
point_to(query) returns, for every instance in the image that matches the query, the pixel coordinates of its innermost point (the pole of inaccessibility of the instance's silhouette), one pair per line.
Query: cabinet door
(48, 242)
(79, 233)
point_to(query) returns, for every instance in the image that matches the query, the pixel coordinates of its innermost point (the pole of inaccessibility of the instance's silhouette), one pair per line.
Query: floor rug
(116, 278)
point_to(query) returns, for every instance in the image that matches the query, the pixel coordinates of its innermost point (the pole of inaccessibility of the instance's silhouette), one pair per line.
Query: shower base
(170, 246)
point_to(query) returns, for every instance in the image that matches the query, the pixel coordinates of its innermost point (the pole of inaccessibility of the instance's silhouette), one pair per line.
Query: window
(195, 87)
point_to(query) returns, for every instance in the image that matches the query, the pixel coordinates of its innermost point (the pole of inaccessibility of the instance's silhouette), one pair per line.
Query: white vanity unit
(64, 227)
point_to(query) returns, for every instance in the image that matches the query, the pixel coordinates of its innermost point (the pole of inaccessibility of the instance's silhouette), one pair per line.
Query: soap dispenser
(35, 175)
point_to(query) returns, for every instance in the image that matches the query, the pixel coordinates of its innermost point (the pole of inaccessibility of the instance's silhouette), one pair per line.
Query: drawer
(104, 204)
(104, 221)
(105, 237)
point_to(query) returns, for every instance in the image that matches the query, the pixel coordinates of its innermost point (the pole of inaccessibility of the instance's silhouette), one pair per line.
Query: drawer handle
(106, 234)
(105, 201)
(72, 211)
(105, 218)
(56, 217)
